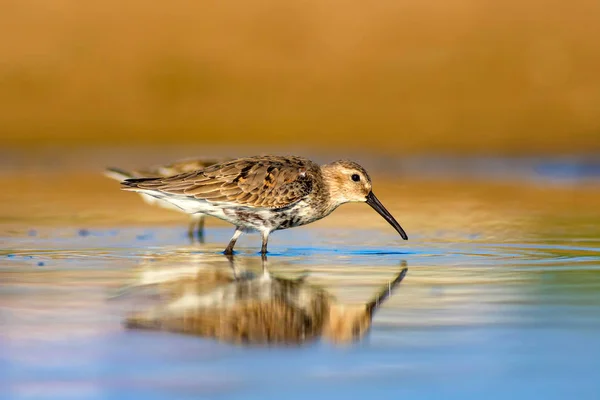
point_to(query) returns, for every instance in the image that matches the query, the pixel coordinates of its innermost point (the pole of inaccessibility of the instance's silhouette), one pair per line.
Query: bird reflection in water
(259, 309)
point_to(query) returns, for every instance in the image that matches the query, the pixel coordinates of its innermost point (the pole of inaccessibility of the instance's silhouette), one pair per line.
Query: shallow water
(501, 299)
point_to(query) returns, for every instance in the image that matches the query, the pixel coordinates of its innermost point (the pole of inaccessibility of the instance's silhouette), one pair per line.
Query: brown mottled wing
(178, 167)
(265, 181)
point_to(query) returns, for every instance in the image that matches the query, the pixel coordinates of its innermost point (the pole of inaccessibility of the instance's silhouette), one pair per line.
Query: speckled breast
(300, 213)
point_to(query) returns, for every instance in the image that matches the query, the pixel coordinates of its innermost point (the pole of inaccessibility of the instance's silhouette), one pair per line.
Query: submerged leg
(238, 273)
(231, 260)
(265, 271)
(265, 240)
(200, 227)
(196, 229)
(234, 238)
(191, 229)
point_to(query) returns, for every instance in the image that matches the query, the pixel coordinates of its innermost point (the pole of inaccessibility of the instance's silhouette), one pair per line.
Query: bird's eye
(355, 177)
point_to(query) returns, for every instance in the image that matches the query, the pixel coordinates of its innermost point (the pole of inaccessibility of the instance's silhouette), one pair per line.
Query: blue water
(501, 299)
(474, 318)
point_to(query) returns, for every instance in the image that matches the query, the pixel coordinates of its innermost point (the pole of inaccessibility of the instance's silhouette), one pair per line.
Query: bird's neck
(332, 187)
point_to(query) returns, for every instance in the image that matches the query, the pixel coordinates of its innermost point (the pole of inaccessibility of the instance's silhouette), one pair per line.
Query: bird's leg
(196, 229)
(234, 238)
(191, 229)
(265, 240)
(200, 227)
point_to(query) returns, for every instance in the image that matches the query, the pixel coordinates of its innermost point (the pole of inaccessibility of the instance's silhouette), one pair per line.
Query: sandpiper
(260, 310)
(196, 228)
(266, 193)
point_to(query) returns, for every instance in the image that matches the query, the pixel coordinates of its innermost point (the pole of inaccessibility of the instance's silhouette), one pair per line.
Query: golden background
(461, 76)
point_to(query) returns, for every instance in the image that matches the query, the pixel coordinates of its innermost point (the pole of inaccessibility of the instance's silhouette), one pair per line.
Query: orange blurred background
(460, 76)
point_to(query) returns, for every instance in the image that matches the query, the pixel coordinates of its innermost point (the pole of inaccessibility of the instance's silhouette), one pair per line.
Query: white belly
(249, 218)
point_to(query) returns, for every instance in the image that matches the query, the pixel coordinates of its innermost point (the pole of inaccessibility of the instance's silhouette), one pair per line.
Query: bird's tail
(133, 183)
(118, 174)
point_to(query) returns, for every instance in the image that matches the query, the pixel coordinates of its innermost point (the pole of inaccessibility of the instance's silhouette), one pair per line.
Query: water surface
(502, 296)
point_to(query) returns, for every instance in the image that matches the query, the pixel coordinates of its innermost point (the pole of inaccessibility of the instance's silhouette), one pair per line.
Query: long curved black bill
(386, 292)
(377, 206)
